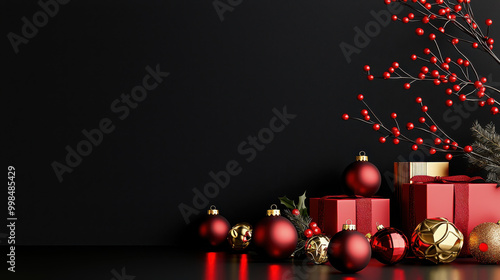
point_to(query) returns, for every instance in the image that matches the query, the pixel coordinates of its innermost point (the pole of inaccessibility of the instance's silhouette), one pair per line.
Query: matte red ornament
(349, 251)
(389, 245)
(214, 228)
(361, 177)
(275, 235)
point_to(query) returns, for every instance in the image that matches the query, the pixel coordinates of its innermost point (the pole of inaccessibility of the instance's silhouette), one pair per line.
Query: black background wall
(226, 77)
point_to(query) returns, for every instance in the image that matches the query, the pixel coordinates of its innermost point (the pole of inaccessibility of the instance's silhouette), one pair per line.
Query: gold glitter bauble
(239, 236)
(317, 248)
(484, 243)
(437, 240)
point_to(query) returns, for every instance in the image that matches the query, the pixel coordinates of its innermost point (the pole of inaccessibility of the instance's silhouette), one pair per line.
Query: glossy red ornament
(361, 177)
(389, 245)
(214, 228)
(349, 251)
(275, 235)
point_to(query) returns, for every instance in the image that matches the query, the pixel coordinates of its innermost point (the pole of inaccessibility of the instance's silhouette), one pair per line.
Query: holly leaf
(290, 204)
(302, 205)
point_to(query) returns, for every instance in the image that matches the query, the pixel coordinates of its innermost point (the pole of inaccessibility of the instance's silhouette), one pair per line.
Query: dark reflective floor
(141, 263)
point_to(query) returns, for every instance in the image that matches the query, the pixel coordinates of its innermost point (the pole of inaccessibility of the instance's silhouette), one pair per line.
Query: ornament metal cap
(213, 211)
(349, 225)
(273, 211)
(380, 227)
(362, 156)
(498, 222)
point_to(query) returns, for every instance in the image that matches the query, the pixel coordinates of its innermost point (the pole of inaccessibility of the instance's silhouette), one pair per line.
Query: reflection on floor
(162, 263)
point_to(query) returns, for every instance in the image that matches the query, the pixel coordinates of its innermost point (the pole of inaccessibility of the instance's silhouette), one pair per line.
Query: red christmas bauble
(361, 177)
(389, 245)
(349, 251)
(214, 228)
(275, 235)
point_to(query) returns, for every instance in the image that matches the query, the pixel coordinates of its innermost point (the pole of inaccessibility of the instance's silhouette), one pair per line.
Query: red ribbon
(363, 211)
(461, 199)
(446, 180)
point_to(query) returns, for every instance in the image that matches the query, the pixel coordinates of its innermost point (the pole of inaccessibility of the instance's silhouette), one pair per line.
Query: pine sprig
(486, 153)
(301, 223)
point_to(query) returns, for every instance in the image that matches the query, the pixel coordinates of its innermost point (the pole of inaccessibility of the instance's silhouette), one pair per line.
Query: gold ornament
(437, 240)
(239, 236)
(317, 249)
(484, 243)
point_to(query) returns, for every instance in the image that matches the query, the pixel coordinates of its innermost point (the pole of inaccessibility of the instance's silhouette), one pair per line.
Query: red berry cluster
(312, 230)
(442, 142)
(467, 85)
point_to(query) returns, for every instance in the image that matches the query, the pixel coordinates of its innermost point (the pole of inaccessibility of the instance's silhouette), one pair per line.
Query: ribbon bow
(447, 179)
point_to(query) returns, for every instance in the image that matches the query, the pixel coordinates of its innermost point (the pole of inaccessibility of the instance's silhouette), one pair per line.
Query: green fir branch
(486, 153)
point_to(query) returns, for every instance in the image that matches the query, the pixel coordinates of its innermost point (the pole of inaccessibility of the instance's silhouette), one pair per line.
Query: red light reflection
(211, 266)
(243, 267)
(274, 272)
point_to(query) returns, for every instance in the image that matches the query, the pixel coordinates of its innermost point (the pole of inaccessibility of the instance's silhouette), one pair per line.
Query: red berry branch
(441, 143)
(451, 22)
(459, 73)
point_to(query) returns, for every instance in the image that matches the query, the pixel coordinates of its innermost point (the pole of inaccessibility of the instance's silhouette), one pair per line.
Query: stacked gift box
(422, 190)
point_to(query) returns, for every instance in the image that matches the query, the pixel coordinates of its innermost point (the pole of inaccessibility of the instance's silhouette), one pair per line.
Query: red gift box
(456, 198)
(331, 212)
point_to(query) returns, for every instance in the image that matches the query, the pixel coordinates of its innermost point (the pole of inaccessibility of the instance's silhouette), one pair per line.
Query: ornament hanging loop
(362, 156)
(274, 211)
(213, 210)
(348, 225)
